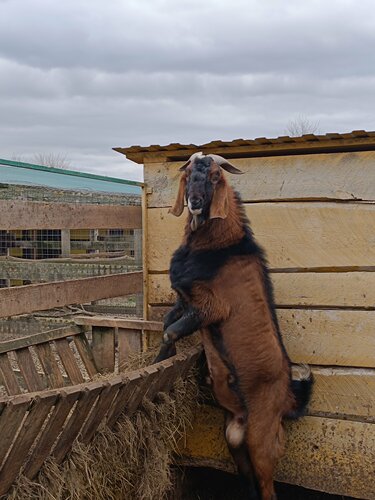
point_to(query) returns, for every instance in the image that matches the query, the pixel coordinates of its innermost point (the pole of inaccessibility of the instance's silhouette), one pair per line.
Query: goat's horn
(192, 157)
(223, 163)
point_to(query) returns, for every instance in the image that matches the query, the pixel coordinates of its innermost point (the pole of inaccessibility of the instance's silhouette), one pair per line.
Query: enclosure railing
(40, 245)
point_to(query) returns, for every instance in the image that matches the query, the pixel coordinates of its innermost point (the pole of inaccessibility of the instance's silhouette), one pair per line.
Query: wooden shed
(311, 203)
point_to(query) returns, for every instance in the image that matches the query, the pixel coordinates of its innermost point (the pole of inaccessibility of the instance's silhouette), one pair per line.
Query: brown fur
(237, 299)
(252, 346)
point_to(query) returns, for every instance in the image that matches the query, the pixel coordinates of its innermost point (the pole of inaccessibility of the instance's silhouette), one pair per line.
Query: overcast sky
(78, 77)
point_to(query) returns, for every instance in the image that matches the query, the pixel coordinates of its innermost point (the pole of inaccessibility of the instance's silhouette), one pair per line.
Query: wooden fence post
(65, 242)
(103, 348)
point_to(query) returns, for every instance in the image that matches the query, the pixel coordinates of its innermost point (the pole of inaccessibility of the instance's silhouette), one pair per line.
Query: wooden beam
(299, 235)
(26, 299)
(342, 176)
(105, 245)
(352, 289)
(321, 337)
(347, 393)
(329, 337)
(16, 214)
(39, 270)
(103, 348)
(137, 324)
(39, 338)
(65, 242)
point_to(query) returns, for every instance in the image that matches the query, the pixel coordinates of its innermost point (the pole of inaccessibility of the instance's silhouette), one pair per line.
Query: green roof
(16, 172)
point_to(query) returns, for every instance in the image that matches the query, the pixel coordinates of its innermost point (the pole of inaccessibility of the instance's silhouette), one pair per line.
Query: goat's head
(204, 188)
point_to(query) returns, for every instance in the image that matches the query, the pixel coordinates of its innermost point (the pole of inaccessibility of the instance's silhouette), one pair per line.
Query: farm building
(310, 201)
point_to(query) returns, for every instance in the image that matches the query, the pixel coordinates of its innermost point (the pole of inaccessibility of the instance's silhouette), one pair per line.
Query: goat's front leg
(187, 324)
(175, 313)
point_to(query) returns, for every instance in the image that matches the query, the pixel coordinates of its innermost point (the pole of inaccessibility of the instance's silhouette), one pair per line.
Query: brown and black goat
(224, 290)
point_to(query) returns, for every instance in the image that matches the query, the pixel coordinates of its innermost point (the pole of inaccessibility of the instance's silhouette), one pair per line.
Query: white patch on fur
(196, 211)
(301, 372)
(235, 433)
(194, 223)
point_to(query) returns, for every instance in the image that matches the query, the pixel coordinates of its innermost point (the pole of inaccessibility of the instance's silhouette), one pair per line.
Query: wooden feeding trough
(310, 201)
(53, 400)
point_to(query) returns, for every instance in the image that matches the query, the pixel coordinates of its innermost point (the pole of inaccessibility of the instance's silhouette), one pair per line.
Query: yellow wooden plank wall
(315, 217)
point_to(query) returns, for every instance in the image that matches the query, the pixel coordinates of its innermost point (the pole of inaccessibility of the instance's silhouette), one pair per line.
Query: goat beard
(196, 221)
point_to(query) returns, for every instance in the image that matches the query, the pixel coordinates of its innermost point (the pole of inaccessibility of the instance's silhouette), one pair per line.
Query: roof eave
(307, 144)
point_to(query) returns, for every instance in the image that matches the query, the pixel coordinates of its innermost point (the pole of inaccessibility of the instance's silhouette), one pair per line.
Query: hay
(130, 462)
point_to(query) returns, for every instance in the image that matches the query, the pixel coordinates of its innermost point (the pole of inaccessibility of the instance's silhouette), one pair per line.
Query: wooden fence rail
(17, 215)
(40, 297)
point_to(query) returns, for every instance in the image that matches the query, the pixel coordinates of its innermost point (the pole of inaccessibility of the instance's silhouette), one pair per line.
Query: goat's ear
(219, 205)
(178, 206)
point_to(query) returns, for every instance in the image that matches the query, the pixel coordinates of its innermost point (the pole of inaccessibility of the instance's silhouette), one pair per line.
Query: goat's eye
(215, 177)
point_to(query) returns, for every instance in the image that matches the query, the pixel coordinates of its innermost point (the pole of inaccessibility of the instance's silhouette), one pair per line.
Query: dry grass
(132, 461)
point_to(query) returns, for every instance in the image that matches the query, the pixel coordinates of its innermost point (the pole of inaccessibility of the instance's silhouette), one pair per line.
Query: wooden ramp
(52, 399)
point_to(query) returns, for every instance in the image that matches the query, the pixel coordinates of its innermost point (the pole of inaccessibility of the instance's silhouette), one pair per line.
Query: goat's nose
(196, 203)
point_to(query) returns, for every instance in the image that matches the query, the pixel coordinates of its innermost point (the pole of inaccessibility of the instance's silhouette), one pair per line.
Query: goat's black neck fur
(189, 266)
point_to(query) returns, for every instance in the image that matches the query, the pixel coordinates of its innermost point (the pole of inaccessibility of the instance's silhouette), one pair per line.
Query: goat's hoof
(169, 338)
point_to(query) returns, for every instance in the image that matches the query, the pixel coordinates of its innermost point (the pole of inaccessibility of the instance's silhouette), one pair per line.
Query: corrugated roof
(358, 139)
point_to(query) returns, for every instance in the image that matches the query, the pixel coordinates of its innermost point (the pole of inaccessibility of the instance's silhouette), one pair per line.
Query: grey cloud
(80, 77)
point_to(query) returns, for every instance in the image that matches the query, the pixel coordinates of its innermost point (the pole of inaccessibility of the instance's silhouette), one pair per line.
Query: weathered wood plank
(85, 353)
(69, 361)
(343, 176)
(39, 338)
(351, 289)
(123, 396)
(97, 416)
(16, 214)
(145, 245)
(344, 338)
(110, 321)
(51, 431)
(301, 235)
(49, 364)
(148, 376)
(103, 348)
(128, 341)
(72, 428)
(321, 337)
(25, 299)
(28, 370)
(10, 420)
(334, 456)
(343, 393)
(39, 271)
(29, 431)
(8, 377)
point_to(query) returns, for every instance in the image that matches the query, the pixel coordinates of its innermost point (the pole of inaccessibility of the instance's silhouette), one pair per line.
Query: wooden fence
(67, 279)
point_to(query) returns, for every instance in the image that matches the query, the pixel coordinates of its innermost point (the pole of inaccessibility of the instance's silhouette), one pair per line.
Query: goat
(224, 290)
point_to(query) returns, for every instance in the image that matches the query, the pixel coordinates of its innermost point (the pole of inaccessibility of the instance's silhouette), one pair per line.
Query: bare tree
(56, 160)
(302, 125)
